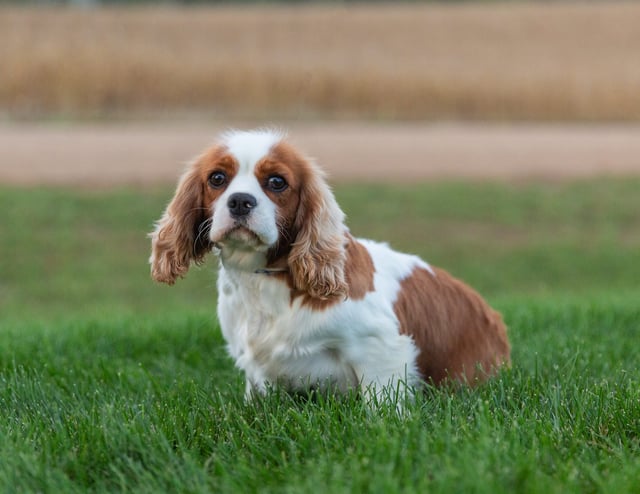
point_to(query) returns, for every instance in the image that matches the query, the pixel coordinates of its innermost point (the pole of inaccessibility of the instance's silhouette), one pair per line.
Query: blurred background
(417, 61)
(505, 116)
(435, 86)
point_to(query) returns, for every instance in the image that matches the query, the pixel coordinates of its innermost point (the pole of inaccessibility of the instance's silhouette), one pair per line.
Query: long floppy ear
(180, 235)
(318, 252)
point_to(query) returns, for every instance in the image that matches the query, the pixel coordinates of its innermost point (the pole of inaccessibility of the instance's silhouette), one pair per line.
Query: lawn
(109, 382)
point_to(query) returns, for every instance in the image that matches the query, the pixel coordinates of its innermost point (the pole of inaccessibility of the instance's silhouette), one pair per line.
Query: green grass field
(109, 382)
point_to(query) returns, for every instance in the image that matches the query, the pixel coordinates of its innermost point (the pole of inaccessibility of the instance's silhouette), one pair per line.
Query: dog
(302, 303)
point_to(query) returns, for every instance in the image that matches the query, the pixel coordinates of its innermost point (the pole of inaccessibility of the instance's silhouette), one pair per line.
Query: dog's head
(264, 206)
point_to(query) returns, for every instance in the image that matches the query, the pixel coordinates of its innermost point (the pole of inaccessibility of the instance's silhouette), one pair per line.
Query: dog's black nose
(241, 204)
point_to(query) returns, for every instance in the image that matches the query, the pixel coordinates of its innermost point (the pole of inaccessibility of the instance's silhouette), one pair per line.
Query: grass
(109, 383)
(86, 251)
(494, 60)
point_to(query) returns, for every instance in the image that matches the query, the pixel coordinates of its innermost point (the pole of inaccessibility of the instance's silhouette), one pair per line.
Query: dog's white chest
(273, 343)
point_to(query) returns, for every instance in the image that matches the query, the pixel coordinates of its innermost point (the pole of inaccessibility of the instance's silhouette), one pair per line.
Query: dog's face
(253, 197)
(254, 187)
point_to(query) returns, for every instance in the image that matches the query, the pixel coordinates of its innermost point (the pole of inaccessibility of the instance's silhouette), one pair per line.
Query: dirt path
(103, 155)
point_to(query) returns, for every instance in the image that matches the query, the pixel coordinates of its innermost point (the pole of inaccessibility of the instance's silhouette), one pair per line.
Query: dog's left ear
(318, 254)
(179, 237)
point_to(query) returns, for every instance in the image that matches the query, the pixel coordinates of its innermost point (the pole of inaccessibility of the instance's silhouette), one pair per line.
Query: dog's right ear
(181, 234)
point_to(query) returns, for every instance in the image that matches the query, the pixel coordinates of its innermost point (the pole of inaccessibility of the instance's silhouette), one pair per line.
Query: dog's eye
(217, 179)
(276, 183)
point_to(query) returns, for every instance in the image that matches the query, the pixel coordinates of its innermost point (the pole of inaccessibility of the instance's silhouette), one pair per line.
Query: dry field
(566, 61)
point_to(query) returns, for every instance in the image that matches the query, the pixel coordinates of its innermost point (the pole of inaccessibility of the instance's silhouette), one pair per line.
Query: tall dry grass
(493, 61)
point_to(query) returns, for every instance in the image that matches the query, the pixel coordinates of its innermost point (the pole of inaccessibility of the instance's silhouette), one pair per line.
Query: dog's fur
(302, 302)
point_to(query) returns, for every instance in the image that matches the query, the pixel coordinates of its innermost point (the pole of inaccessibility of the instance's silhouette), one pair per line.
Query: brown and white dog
(302, 302)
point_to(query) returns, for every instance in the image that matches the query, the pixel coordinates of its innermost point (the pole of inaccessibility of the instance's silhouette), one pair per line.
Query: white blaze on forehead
(249, 147)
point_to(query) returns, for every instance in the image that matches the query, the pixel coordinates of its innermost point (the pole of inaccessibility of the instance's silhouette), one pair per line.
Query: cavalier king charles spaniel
(302, 303)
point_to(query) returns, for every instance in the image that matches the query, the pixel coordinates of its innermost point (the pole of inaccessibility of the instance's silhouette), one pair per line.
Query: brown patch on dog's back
(359, 269)
(459, 336)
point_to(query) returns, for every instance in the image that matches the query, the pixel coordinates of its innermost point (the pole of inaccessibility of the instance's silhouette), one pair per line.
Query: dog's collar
(266, 271)
(270, 272)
